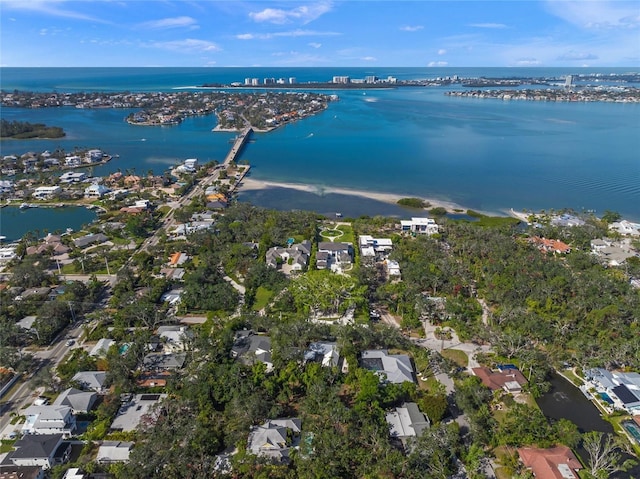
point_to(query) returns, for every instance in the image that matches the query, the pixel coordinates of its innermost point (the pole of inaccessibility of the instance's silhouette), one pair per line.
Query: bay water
(484, 154)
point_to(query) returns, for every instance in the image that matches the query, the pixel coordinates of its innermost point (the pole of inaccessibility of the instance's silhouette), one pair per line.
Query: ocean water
(488, 155)
(14, 222)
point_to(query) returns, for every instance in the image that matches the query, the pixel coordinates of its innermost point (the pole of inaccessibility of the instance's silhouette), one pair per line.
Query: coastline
(252, 184)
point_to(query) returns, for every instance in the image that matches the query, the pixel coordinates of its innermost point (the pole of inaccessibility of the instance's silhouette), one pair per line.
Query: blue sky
(35, 33)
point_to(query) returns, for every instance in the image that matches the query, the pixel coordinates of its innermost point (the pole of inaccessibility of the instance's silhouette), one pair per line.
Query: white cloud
(369, 59)
(188, 45)
(442, 51)
(438, 64)
(573, 55)
(290, 33)
(411, 28)
(528, 62)
(488, 25)
(303, 14)
(315, 44)
(174, 22)
(597, 15)
(49, 7)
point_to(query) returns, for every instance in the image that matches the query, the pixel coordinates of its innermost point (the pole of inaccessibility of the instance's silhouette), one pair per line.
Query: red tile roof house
(550, 245)
(511, 380)
(555, 463)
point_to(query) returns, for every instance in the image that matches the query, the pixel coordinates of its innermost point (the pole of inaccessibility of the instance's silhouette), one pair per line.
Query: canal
(564, 400)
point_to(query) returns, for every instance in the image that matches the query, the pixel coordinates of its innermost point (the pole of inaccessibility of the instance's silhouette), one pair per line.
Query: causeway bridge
(238, 144)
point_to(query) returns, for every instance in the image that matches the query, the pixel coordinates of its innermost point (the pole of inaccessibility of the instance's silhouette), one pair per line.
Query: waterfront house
(620, 390)
(625, 227)
(72, 177)
(94, 156)
(275, 439)
(553, 463)
(378, 248)
(333, 255)
(508, 379)
(392, 368)
(6, 187)
(46, 192)
(42, 450)
(73, 161)
(96, 191)
(296, 257)
(418, 225)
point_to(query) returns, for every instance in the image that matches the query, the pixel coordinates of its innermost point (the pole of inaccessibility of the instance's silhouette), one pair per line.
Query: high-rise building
(568, 81)
(341, 79)
(292, 80)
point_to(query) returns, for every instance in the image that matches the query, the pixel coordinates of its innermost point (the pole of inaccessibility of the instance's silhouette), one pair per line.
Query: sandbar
(253, 184)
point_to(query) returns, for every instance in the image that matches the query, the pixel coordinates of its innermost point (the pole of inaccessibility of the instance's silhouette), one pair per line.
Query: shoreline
(251, 184)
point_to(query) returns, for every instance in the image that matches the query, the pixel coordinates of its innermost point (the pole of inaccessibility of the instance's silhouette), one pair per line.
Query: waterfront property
(554, 463)
(334, 255)
(508, 379)
(427, 226)
(622, 389)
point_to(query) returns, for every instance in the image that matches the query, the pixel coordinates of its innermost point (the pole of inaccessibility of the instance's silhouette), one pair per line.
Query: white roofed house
(416, 225)
(275, 439)
(102, 347)
(621, 390)
(114, 451)
(407, 421)
(96, 191)
(49, 420)
(46, 192)
(378, 248)
(392, 368)
(325, 353)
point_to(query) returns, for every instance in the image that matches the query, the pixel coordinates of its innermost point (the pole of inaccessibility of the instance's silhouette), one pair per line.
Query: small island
(22, 130)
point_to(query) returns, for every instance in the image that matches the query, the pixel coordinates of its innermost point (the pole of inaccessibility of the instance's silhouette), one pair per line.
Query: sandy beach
(253, 184)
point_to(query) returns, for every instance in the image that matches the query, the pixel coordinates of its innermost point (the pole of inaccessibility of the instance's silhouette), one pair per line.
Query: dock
(238, 144)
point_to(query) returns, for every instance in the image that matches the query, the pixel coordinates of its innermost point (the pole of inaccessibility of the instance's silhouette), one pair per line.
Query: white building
(96, 191)
(620, 390)
(426, 226)
(49, 420)
(72, 177)
(46, 192)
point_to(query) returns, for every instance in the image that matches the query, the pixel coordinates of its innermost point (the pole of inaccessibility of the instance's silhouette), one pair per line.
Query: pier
(238, 144)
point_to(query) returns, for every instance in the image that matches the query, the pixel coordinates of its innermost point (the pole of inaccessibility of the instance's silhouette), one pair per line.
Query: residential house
(136, 410)
(173, 296)
(178, 259)
(74, 473)
(11, 471)
(377, 248)
(51, 419)
(275, 439)
(554, 463)
(612, 253)
(46, 192)
(625, 227)
(72, 177)
(334, 255)
(407, 421)
(79, 401)
(94, 156)
(425, 226)
(114, 451)
(510, 379)
(295, 256)
(164, 361)
(27, 323)
(41, 450)
(91, 380)
(550, 245)
(101, 348)
(392, 368)
(392, 268)
(249, 348)
(567, 220)
(90, 239)
(6, 187)
(96, 190)
(325, 353)
(174, 336)
(620, 390)
(73, 161)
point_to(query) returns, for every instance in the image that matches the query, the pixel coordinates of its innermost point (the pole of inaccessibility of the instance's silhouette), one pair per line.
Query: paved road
(23, 395)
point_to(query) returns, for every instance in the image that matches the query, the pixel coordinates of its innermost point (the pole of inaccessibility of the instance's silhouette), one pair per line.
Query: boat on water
(25, 206)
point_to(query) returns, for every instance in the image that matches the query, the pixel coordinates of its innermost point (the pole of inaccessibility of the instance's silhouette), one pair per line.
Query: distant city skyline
(181, 33)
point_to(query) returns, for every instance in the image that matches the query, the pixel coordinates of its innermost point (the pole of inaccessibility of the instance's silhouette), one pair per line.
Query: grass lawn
(572, 376)
(263, 296)
(164, 209)
(492, 221)
(6, 445)
(348, 236)
(457, 356)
